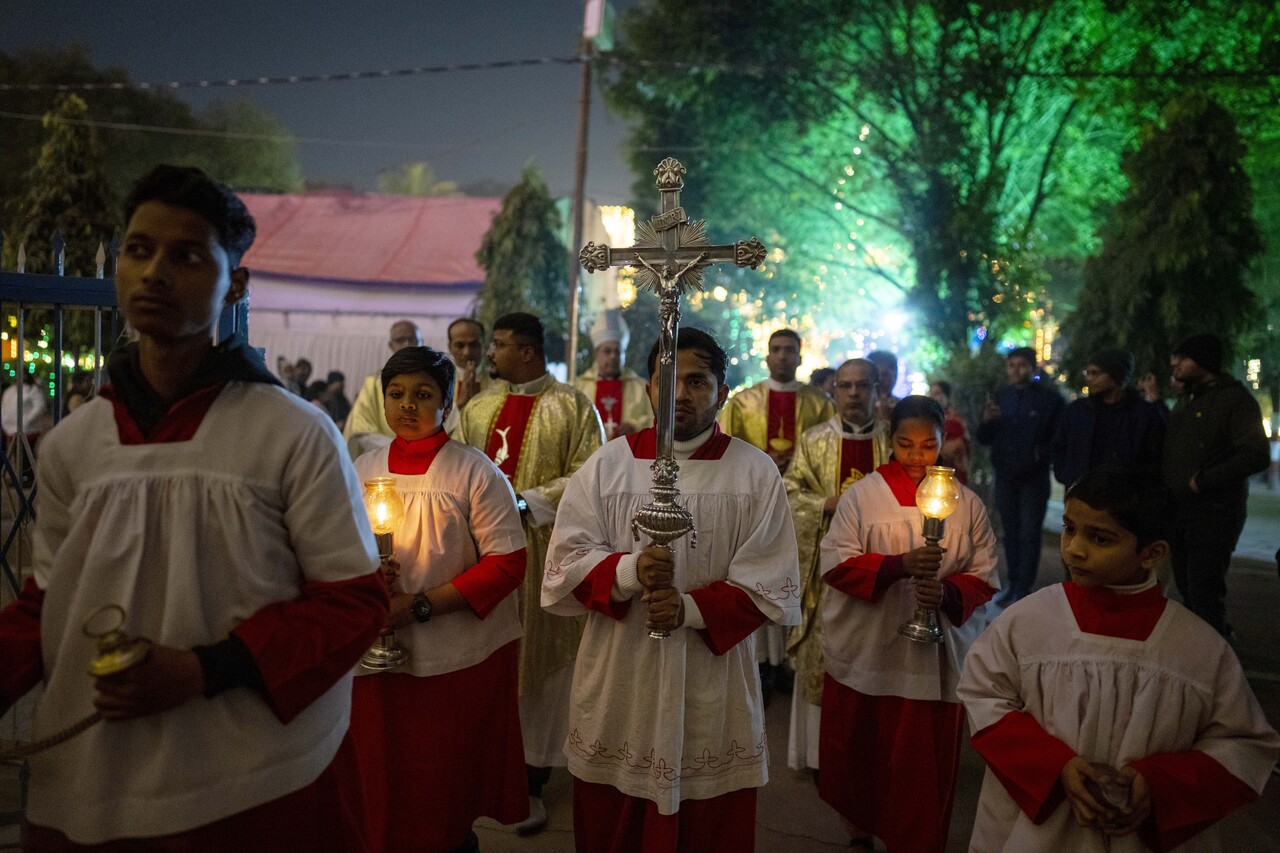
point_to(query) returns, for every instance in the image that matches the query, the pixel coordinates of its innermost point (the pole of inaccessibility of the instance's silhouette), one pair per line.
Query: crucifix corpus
(670, 252)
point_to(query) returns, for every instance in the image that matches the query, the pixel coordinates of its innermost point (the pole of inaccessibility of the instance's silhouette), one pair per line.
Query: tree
(254, 152)
(940, 151)
(228, 141)
(66, 189)
(525, 263)
(1177, 249)
(415, 179)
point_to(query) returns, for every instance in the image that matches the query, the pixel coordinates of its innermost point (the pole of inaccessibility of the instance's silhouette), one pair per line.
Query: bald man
(366, 427)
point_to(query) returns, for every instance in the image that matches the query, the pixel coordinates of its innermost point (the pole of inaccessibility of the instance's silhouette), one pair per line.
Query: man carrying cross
(666, 737)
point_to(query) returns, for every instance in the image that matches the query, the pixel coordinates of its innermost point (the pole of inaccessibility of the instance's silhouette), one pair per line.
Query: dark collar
(227, 362)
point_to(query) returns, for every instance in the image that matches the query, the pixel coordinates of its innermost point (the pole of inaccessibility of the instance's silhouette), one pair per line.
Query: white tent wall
(352, 338)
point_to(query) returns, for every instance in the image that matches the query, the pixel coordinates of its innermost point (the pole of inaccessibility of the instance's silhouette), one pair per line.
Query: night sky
(470, 126)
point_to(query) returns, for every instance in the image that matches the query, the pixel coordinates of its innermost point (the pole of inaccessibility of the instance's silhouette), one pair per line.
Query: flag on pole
(597, 24)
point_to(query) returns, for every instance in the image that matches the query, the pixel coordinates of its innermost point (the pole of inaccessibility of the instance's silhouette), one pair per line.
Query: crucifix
(671, 252)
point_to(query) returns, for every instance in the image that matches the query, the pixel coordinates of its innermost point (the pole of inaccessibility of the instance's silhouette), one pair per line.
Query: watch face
(421, 609)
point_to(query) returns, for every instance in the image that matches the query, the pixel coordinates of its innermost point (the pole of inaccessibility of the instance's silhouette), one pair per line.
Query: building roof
(370, 239)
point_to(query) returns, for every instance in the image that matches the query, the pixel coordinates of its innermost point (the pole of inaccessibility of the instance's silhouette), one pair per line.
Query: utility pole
(593, 23)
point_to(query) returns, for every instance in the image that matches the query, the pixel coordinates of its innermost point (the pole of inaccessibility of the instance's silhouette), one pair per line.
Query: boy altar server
(1110, 718)
(220, 512)
(666, 741)
(439, 740)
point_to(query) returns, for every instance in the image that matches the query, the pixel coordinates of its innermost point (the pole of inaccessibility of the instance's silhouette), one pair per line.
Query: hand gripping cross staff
(672, 253)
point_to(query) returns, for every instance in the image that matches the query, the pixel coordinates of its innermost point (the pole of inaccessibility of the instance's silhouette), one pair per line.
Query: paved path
(790, 817)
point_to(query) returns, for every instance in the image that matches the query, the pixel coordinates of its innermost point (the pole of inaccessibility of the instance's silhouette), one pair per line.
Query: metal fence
(37, 308)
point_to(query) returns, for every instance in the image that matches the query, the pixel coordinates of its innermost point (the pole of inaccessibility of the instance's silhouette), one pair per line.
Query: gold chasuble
(746, 415)
(561, 431)
(828, 460)
(633, 409)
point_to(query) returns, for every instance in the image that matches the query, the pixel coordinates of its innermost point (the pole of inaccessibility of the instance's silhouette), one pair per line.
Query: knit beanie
(1116, 363)
(1205, 350)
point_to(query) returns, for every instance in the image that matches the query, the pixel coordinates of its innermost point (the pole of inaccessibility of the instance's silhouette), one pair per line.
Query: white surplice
(1112, 700)
(667, 720)
(460, 509)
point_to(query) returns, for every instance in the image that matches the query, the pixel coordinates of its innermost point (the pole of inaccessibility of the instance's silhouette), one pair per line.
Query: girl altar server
(889, 742)
(438, 740)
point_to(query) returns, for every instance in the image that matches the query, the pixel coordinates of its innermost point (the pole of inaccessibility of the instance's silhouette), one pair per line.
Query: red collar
(899, 483)
(1099, 610)
(644, 444)
(414, 457)
(179, 423)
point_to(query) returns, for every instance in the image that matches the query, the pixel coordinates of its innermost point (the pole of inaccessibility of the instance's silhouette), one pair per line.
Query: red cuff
(729, 613)
(596, 590)
(20, 645)
(962, 594)
(1027, 760)
(867, 576)
(490, 580)
(302, 647)
(1189, 792)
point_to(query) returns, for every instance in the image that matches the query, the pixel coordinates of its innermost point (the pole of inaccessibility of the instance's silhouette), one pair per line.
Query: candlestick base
(385, 654)
(923, 627)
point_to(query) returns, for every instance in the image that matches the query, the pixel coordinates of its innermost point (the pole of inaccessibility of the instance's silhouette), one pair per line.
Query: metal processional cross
(671, 253)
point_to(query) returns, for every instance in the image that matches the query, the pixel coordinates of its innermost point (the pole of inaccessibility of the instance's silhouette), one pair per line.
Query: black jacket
(1021, 437)
(1215, 435)
(1092, 433)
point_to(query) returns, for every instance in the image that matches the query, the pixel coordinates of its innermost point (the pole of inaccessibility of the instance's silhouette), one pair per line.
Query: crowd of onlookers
(328, 394)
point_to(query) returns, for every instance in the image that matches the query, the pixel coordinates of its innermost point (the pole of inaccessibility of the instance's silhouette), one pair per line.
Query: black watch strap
(421, 608)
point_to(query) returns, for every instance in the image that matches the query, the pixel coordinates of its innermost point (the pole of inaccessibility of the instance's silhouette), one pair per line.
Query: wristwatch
(421, 608)
(522, 505)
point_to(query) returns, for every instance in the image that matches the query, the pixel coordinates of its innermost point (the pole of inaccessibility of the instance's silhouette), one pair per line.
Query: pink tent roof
(370, 239)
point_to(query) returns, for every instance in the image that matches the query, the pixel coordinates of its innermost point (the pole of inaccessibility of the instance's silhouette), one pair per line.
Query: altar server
(1111, 719)
(889, 744)
(439, 740)
(219, 511)
(666, 737)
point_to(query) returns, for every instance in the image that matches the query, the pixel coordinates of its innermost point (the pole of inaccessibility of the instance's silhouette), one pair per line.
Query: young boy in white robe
(219, 511)
(438, 740)
(1110, 718)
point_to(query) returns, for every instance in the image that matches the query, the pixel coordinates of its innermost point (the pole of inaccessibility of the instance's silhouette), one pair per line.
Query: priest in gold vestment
(772, 415)
(620, 395)
(829, 458)
(538, 432)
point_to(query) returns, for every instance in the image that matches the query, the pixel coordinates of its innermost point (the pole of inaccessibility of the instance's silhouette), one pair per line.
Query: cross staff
(671, 252)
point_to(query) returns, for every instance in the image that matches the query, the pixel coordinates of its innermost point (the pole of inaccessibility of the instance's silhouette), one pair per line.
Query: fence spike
(100, 258)
(59, 252)
(113, 253)
(22, 257)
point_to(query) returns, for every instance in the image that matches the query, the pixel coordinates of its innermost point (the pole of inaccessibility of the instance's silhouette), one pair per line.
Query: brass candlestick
(386, 511)
(937, 496)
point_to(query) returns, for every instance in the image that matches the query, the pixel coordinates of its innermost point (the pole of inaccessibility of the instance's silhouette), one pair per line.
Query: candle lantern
(386, 511)
(937, 496)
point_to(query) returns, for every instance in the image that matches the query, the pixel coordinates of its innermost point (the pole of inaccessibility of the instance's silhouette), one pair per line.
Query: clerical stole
(609, 405)
(782, 420)
(508, 432)
(857, 460)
